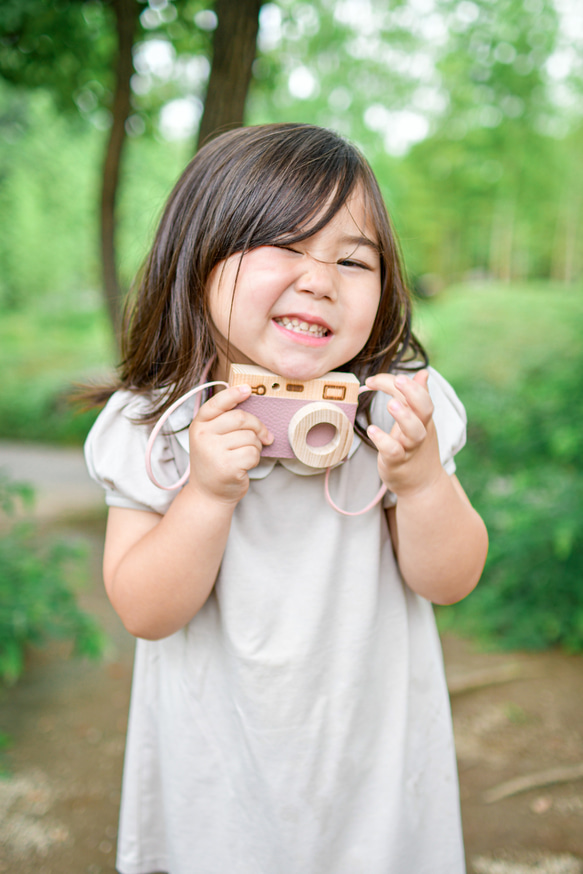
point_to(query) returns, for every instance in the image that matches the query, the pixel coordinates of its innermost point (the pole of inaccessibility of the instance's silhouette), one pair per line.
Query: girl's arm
(159, 570)
(439, 540)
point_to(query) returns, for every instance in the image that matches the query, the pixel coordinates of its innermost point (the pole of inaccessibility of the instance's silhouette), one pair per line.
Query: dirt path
(67, 718)
(530, 725)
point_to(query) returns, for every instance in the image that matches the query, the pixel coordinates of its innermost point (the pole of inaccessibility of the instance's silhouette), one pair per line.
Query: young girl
(289, 711)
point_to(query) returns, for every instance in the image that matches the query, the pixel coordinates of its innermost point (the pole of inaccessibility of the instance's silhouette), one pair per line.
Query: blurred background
(471, 114)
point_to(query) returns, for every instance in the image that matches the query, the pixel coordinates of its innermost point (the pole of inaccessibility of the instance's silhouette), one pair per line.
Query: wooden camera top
(334, 386)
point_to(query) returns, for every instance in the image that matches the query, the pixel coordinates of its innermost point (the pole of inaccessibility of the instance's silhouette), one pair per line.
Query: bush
(522, 469)
(37, 600)
(42, 353)
(42, 412)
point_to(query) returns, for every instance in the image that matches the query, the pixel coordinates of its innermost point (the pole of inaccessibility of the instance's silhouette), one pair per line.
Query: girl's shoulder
(115, 455)
(449, 416)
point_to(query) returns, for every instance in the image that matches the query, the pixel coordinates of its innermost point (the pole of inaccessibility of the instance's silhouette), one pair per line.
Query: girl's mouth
(298, 326)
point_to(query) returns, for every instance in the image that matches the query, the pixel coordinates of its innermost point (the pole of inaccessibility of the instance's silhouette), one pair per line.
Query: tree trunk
(570, 271)
(502, 241)
(126, 17)
(564, 267)
(234, 48)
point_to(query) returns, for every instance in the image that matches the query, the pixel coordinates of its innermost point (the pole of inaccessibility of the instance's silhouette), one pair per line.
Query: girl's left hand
(409, 455)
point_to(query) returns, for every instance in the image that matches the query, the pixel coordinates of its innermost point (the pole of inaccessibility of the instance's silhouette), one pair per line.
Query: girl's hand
(409, 456)
(225, 443)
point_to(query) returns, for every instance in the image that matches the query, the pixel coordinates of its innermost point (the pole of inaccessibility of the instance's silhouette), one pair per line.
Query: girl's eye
(287, 249)
(348, 262)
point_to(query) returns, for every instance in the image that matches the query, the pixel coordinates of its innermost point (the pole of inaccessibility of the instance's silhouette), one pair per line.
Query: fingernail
(395, 406)
(372, 430)
(244, 389)
(270, 438)
(401, 380)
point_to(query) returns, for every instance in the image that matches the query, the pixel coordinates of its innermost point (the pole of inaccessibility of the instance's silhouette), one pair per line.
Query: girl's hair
(250, 187)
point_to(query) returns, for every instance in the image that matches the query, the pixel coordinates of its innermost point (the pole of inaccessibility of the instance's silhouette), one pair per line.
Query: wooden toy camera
(312, 421)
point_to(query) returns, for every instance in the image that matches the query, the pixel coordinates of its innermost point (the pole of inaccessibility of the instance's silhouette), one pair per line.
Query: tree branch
(538, 780)
(126, 16)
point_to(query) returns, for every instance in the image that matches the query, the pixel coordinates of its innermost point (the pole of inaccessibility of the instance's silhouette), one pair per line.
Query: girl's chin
(300, 370)
(293, 364)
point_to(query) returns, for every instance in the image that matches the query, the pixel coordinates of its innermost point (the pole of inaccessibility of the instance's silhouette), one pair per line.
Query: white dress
(300, 723)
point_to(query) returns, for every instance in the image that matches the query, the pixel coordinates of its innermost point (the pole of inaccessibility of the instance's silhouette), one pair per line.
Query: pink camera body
(312, 421)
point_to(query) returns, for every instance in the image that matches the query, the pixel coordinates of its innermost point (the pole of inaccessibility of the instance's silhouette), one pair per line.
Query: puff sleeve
(449, 416)
(115, 456)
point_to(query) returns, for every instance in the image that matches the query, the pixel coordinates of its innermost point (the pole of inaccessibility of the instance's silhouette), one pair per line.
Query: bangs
(304, 203)
(291, 189)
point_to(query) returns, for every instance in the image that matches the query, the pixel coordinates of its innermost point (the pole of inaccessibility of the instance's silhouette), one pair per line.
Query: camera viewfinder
(334, 392)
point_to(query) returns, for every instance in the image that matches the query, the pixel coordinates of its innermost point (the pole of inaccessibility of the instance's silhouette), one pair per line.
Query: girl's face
(303, 309)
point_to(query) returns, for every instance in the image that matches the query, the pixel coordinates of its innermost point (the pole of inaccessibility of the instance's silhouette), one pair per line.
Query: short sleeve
(115, 455)
(449, 416)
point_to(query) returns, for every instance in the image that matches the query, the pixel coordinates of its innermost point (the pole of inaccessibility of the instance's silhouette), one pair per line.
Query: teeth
(302, 327)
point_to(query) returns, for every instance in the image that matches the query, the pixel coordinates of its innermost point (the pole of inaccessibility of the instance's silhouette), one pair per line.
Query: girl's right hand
(225, 443)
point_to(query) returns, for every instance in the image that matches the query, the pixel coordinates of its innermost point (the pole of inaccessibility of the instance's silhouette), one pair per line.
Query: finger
(416, 394)
(245, 457)
(243, 449)
(222, 402)
(222, 411)
(409, 391)
(422, 377)
(386, 383)
(240, 420)
(409, 430)
(234, 440)
(390, 449)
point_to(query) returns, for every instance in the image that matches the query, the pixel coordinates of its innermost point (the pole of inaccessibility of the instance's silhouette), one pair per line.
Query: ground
(515, 714)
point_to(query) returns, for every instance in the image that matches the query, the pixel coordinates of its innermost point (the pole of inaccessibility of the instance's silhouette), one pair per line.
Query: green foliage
(522, 468)
(68, 48)
(37, 600)
(477, 196)
(349, 59)
(49, 182)
(41, 353)
(496, 187)
(49, 171)
(56, 45)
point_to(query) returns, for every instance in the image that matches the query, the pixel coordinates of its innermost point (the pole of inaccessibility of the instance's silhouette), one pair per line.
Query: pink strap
(162, 420)
(368, 507)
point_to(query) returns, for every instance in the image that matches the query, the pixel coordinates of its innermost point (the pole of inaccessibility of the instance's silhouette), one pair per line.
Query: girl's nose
(317, 277)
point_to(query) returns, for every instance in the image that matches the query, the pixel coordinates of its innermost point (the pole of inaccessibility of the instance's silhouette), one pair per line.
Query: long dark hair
(250, 187)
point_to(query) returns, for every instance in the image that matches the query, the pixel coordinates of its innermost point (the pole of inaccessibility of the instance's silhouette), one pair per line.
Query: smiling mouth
(300, 327)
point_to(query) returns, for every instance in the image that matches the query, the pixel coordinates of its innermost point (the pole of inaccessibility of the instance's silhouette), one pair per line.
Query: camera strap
(380, 494)
(164, 418)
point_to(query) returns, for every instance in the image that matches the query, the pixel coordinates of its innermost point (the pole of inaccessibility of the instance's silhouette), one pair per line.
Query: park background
(471, 114)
